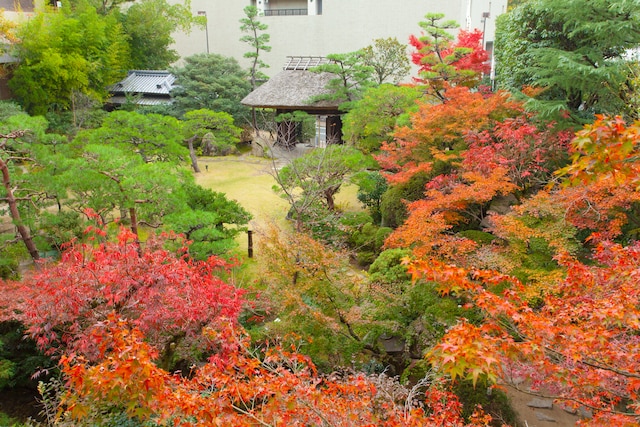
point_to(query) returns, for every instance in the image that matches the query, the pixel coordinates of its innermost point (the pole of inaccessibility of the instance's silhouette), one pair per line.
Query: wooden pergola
(294, 89)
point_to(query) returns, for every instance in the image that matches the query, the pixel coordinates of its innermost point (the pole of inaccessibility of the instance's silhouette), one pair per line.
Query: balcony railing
(285, 12)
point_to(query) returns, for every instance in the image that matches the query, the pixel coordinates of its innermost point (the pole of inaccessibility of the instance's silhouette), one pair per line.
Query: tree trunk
(254, 122)
(330, 202)
(192, 155)
(328, 196)
(134, 228)
(15, 214)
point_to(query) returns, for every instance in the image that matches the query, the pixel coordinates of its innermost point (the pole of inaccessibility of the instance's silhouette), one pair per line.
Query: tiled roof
(147, 100)
(147, 82)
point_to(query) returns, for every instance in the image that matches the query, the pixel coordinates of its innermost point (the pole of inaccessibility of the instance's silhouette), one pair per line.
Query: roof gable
(295, 87)
(146, 82)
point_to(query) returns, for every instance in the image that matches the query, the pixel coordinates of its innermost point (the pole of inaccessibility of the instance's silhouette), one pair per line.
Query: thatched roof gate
(293, 89)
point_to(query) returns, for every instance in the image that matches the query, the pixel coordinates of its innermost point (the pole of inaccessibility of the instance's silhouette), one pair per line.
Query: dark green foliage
(66, 123)
(354, 220)
(10, 256)
(9, 108)
(573, 48)
(631, 231)
(353, 77)
(310, 182)
(31, 167)
(214, 82)
(205, 199)
(153, 137)
(364, 237)
(7, 369)
(415, 311)
(392, 204)
(323, 224)
(257, 40)
(433, 313)
(210, 132)
(326, 348)
(211, 221)
(20, 358)
(6, 420)
(493, 401)
(371, 187)
(56, 229)
(381, 235)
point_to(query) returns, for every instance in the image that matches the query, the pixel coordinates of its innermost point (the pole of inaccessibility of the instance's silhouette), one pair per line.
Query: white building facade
(322, 27)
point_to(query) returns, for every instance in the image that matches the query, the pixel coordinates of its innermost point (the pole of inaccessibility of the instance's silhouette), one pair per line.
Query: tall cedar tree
(576, 50)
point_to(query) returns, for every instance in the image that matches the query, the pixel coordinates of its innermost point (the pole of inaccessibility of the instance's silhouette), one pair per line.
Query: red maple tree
(578, 345)
(236, 387)
(438, 131)
(529, 154)
(169, 297)
(577, 341)
(115, 312)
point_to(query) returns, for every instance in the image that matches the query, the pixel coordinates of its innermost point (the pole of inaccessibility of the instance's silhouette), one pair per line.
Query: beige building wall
(341, 25)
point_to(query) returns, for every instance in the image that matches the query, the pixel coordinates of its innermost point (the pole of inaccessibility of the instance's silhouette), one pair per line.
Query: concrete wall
(343, 26)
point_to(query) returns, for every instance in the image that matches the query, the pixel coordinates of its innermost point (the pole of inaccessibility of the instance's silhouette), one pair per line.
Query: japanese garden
(468, 229)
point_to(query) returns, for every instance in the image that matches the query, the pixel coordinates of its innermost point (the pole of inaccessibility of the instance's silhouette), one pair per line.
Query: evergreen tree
(575, 50)
(214, 82)
(258, 42)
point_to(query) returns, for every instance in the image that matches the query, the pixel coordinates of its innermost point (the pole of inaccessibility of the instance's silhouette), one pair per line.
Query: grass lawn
(248, 180)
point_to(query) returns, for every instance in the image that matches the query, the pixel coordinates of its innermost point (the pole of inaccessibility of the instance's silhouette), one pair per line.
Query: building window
(285, 12)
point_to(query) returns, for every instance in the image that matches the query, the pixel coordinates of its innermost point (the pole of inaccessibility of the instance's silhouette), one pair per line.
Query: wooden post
(250, 243)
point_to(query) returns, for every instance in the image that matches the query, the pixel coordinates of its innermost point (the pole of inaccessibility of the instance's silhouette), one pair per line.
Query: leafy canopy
(149, 25)
(568, 329)
(389, 60)
(211, 81)
(317, 176)
(75, 50)
(373, 119)
(575, 50)
(353, 77)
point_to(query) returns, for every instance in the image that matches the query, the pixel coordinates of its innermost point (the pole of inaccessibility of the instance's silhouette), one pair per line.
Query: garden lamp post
(206, 26)
(485, 16)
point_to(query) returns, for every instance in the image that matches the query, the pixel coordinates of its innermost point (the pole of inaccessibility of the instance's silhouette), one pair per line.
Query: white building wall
(344, 25)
